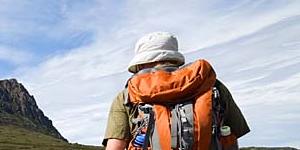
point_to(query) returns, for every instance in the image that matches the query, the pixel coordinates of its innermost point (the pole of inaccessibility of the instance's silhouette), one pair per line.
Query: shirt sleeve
(233, 116)
(117, 123)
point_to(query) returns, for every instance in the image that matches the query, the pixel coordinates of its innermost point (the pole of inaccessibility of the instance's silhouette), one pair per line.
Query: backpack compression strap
(182, 126)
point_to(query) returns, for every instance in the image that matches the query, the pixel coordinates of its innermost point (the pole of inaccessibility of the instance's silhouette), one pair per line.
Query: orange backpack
(176, 109)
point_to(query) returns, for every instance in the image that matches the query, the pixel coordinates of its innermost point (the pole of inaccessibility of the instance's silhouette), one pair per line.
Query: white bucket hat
(154, 47)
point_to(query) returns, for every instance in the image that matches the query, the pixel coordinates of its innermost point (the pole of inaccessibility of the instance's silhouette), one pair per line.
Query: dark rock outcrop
(18, 107)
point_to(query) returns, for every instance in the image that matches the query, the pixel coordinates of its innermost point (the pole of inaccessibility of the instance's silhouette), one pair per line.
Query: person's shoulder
(221, 86)
(122, 102)
(225, 95)
(120, 99)
(121, 95)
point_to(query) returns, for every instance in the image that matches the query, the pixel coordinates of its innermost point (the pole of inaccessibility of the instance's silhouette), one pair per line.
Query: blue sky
(42, 29)
(72, 55)
(38, 29)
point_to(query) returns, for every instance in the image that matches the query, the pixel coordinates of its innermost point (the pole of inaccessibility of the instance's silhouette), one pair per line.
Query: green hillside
(24, 126)
(268, 148)
(16, 138)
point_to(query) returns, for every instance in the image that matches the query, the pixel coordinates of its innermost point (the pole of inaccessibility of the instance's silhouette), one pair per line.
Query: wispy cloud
(262, 71)
(15, 57)
(42, 27)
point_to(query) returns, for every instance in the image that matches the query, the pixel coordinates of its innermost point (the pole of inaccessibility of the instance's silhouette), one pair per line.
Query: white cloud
(262, 71)
(200, 23)
(75, 89)
(14, 56)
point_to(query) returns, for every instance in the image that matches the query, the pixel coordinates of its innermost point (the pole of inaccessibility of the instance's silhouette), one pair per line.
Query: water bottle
(228, 140)
(139, 140)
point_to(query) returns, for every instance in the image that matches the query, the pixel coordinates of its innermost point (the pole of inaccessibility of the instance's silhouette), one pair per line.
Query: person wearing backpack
(167, 106)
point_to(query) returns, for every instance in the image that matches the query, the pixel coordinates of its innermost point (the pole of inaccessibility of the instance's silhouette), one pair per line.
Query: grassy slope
(13, 137)
(16, 138)
(268, 148)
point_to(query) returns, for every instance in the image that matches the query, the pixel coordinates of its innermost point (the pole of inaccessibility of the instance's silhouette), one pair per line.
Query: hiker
(165, 105)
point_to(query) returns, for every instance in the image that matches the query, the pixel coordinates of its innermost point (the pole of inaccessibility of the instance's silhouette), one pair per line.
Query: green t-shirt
(119, 125)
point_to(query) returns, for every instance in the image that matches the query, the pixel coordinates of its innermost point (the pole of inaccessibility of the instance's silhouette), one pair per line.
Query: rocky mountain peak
(16, 102)
(15, 93)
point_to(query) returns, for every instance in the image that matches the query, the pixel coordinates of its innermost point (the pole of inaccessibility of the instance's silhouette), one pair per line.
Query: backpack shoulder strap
(218, 115)
(220, 100)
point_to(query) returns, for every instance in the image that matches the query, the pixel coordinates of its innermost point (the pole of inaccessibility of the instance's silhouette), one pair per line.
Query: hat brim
(155, 56)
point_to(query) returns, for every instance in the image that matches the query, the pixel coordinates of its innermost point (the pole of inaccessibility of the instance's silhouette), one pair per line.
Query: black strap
(215, 119)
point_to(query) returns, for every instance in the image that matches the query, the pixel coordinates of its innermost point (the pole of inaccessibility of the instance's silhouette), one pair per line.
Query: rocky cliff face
(18, 107)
